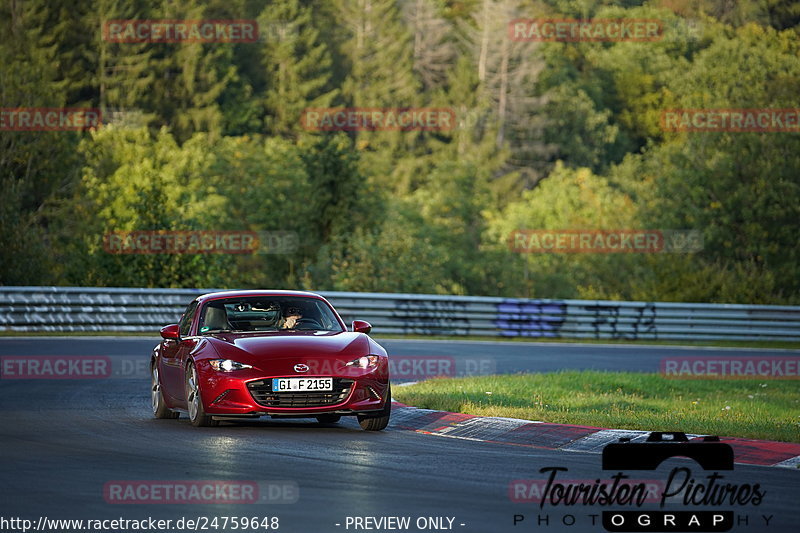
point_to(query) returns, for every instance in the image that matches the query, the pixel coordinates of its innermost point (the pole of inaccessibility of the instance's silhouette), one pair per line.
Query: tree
(740, 188)
(567, 199)
(135, 182)
(433, 41)
(377, 55)
(34, 165)
(190, 78)
(267, 187)
(123, 70)
(341, 202)
(507, 71)
(297, 64)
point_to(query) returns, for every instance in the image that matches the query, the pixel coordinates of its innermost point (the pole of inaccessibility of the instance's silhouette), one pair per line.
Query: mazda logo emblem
(300, 367)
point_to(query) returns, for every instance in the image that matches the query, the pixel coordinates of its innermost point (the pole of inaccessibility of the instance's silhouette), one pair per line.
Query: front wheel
(160, 409)
(378, 421)
(194, 402)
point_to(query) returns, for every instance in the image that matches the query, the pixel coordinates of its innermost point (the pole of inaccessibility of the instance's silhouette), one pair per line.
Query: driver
(290, 317)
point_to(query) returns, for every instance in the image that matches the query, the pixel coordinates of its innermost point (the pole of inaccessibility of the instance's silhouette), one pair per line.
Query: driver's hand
(291, 321)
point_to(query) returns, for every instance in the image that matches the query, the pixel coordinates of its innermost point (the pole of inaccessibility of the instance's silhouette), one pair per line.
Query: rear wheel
(160, 409)
(194, 402)
(328, 419)
(379, 421)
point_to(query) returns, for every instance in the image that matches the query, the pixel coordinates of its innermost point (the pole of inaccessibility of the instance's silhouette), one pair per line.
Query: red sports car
(245, 354)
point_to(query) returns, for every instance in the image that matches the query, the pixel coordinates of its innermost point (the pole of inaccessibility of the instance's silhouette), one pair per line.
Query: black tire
(160, 409)
(194, 400)
(328, 419)
(379, 421)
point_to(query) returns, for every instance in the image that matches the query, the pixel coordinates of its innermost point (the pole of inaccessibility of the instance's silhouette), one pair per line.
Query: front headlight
(368, 361)
(227, 365)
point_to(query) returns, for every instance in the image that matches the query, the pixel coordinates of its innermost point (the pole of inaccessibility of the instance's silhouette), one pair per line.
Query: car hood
(278, 353)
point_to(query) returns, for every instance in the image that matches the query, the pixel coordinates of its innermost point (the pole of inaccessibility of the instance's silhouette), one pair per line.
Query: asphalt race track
(65, 440)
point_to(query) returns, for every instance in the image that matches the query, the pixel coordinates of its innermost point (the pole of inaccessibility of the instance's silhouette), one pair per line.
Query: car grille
(261, 391)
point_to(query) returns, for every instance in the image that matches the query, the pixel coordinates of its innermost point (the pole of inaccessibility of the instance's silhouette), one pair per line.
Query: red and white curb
(571, 438)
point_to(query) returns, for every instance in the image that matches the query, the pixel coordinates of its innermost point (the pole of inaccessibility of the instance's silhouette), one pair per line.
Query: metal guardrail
(131, 309)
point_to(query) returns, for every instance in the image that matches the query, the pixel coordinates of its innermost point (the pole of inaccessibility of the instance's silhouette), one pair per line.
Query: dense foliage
(550, 135)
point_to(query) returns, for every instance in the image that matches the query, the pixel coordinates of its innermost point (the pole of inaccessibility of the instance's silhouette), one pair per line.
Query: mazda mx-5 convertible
(245, 354)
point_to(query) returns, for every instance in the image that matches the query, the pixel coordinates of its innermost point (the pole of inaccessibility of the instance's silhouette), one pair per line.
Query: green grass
(759, 409)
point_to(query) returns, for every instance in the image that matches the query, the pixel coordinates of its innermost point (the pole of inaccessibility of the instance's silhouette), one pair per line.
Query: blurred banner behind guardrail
(131, 309)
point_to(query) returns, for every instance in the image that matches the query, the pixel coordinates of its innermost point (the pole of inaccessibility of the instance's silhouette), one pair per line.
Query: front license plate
(302, 384)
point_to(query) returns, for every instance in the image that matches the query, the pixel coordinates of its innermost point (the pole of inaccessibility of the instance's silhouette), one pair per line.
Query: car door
(173, 355)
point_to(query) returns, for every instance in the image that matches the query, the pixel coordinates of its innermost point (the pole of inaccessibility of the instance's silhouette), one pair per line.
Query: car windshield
(267, 314)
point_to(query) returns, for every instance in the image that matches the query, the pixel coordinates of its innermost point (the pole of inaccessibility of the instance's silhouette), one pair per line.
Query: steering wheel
(307, 323)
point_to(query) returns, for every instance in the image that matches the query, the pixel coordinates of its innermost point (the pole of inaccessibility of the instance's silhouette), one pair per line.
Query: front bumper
(248, 393)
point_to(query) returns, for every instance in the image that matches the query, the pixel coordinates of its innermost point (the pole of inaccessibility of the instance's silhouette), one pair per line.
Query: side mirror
(360, 326)
(171, 332)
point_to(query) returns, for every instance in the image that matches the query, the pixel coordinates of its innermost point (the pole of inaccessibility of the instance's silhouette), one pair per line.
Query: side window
(186, 320)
